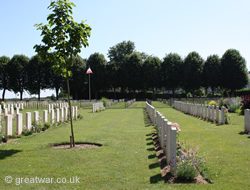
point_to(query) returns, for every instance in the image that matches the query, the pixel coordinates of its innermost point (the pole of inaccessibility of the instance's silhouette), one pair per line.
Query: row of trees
(127, 71)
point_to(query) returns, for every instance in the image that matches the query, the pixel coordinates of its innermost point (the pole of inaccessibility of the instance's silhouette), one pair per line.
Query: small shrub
(233, 104)
(186, 170)
(2, 104)
(104, 100)
(45, 126)
(212, 103)
(189, 95)
(227, 117)
(188, 165)
(80, 116)
(209, 95)
(245, 103)
(37, 126)
(27, 132)
(4, 139)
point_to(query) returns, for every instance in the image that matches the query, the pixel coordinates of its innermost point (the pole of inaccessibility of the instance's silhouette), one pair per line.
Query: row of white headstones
(166, 135)
(57, 115)
(210, 113)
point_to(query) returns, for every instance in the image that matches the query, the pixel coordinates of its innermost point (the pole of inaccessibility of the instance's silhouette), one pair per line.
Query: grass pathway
(224, 148)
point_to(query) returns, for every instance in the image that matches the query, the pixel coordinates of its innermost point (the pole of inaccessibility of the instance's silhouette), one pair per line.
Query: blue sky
(156, 27)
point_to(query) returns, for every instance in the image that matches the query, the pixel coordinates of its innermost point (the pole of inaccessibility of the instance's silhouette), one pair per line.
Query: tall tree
(211, 72)
(171, 71)
(18, 75)
(78, 80)
(118, 52)
(63, 38)
(151, 73)
(192, 72)
(98, 63)
(132, 72)
(233, 70)
(116, 55)
(37, 75)
(4, 60)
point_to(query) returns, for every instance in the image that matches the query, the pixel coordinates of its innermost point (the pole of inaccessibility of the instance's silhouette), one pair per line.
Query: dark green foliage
(192, 72)
(97, 63)
(118, 52)
(212, 72)
(171, 71)
(132, 72)
(27, 132)
(78, 79)
(4, 74)
(151, 73)
(18, 74)
(233, 70)
(38, 75)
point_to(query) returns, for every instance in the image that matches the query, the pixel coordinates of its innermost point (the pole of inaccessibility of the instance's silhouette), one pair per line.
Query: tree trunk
(39, 94)
(212, 91)
(96, 95)
(57, 93)
(21, 95)
(114, 94)
(173, 92)
(70, 112)
(3, 95)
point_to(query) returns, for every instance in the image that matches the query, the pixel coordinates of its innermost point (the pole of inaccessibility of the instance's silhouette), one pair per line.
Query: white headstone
(19, 123)
(45, 116)
(8, 130)
(28, 120)
(173, 147)
(247, 120)
(57, 115)
(36, 116)
(52, 116)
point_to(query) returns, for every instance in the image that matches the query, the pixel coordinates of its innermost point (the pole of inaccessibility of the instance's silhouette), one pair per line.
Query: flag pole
(89, 89)
(88, 73)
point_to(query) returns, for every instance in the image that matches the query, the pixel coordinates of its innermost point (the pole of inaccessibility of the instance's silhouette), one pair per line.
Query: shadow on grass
(8, 153)
(156, 178)
(244, 133)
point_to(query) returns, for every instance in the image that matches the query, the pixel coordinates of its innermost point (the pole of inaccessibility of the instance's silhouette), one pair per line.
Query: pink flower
(177, 126)
(226, 110)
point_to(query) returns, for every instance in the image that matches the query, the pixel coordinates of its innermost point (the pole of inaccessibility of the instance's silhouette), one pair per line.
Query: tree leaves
(62, 37)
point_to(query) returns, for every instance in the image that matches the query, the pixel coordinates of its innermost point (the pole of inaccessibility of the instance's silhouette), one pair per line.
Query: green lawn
(127, 158)
(224, 148)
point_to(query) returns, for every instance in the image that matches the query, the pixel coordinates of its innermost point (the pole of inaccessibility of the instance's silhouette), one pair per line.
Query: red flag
(89, 71)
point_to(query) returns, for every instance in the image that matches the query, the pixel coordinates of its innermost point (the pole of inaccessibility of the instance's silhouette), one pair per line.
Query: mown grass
(127, 158)
(226, 151)
(121, 163)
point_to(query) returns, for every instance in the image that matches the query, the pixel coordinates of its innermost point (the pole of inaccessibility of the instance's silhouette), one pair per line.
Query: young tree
(4, 60)
(233, 70)
(18, 74)
(62, 39)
